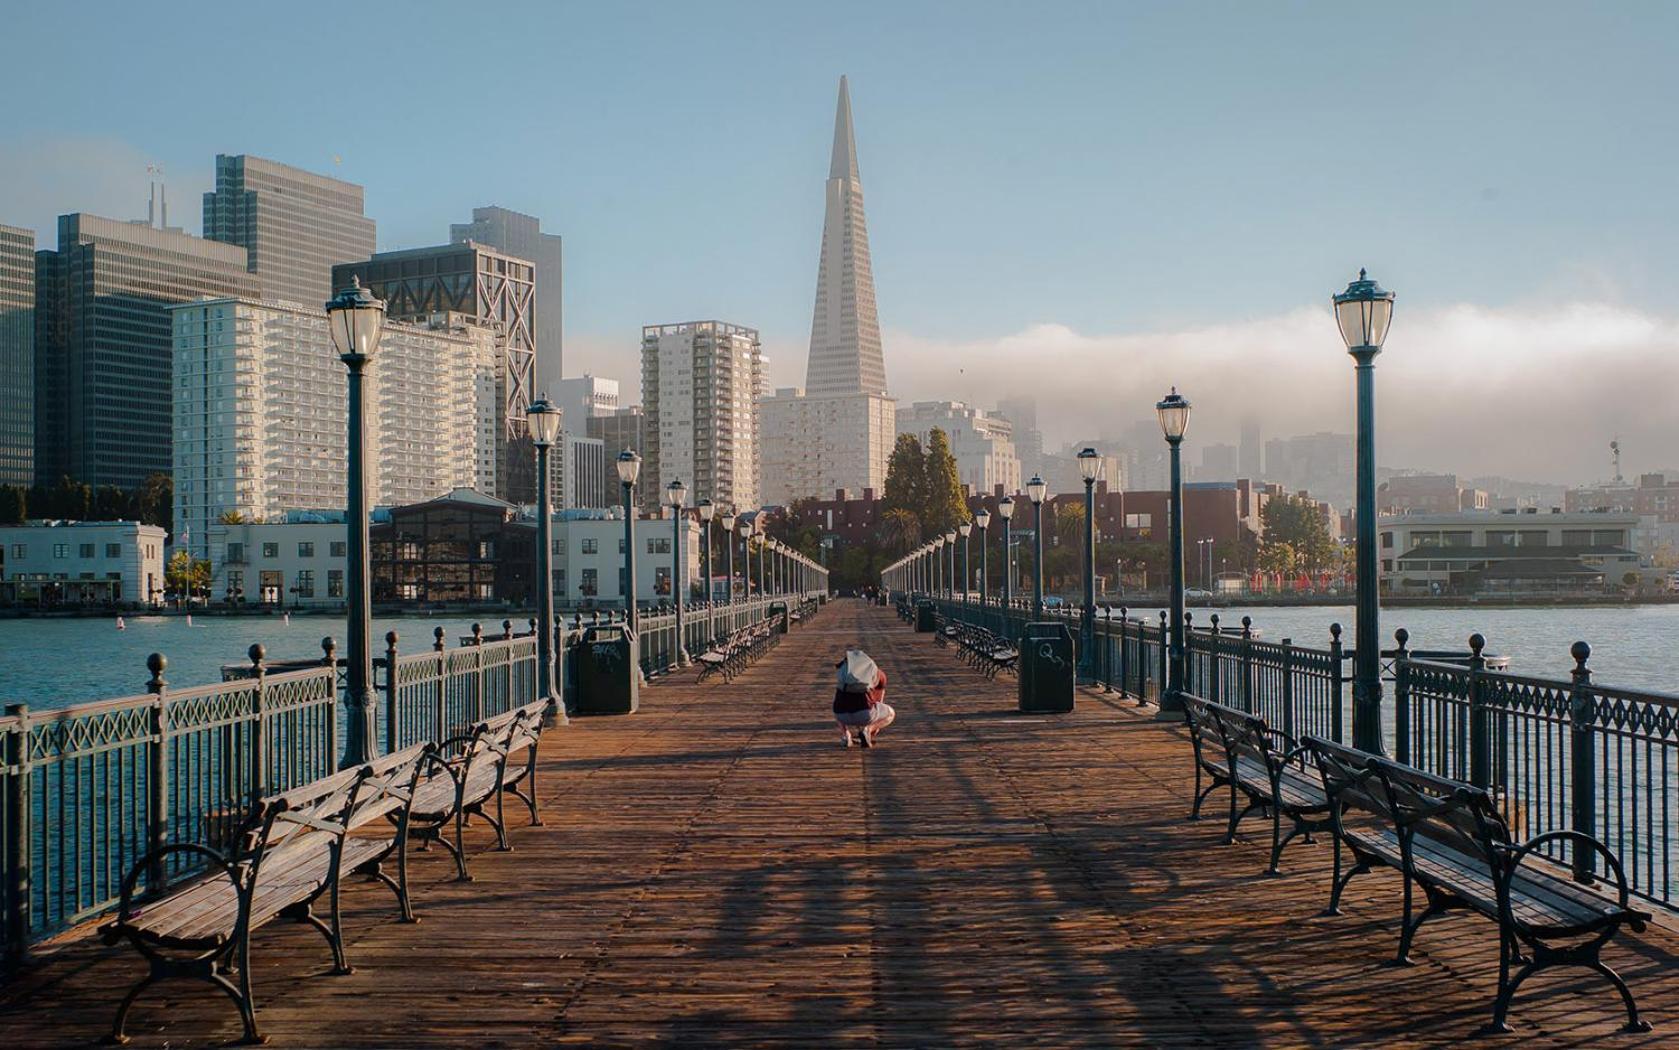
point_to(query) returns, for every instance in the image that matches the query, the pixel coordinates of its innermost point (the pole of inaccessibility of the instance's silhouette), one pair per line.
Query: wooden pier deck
(716, 870)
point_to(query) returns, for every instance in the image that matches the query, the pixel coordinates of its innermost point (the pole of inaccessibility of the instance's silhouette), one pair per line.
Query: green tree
(110, 503)
(1295, 523)
(232, 517)
(153, 500)
(906, 480)
(944, 506)
(900, 531)
(14, 504)
(187, 576)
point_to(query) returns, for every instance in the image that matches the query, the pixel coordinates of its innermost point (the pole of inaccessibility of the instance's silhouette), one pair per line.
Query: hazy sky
(1086, 200)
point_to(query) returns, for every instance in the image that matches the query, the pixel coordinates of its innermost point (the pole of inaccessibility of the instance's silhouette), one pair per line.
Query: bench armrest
(125, 899)
(1533, 847)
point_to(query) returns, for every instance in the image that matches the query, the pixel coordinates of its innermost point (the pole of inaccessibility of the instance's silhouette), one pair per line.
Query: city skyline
(1104, 222)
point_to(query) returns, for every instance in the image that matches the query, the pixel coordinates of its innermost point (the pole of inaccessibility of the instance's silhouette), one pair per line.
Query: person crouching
(860, 699)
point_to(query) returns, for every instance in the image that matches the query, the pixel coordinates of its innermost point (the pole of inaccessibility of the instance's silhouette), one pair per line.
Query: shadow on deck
(717, 870)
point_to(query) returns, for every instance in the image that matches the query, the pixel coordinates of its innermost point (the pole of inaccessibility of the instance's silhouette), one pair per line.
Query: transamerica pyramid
(845, 355)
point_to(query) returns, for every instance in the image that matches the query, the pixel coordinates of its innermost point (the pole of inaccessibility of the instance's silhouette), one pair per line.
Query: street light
(629, 469)
(1005, 510)
(706, 510)
(1090, 468)
(983, 520)
(356, 320)
(1035, 490)
(745, 559)
(1173, 411)
(676, 495)
(728, 523)
(950, 577)
(967, 570)
(544, 419)
(1363, 313)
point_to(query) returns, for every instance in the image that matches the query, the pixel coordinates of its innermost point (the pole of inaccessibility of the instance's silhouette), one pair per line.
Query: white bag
(857, 672)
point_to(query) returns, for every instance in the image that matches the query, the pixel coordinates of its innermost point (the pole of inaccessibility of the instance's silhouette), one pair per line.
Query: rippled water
(50, 663)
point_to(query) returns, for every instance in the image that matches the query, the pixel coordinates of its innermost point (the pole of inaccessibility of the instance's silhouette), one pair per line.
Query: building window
(61, 550)
(658, 546)
(305, 550)
(236, 553)
(306, 583)
(335, 549)
(235, 584)
(1576, 537)
(661, 581)
(85, 551)
(588, 585)
(20, 550)
(1501, 537)
(591, 545)
(335, 583)
(1609, 538)
(271, 550)
(620, 546)
(113, 550)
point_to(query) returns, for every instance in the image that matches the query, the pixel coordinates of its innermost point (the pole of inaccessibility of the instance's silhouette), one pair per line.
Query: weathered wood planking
(717, 870)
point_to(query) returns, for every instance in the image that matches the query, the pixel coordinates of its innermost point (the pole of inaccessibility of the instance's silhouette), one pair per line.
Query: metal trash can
(1048, 670)
(926, 618)
(779, 607)
(608, 675)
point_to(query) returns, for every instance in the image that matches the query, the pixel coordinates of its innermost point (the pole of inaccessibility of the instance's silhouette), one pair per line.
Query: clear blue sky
(1112, 167)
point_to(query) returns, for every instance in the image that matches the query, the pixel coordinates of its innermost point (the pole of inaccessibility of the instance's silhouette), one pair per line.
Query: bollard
(393, 727)
(1337, 720)
(1402, 698)
(1582, 726)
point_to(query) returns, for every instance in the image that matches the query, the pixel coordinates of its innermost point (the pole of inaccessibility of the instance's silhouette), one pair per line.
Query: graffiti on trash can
(1046, 652)
(606, 655)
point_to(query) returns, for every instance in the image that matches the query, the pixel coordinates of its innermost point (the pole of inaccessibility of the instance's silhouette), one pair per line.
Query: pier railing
(1559, 754)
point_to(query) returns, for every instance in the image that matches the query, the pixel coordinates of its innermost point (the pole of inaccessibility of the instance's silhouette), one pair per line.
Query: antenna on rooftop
(1615, 452)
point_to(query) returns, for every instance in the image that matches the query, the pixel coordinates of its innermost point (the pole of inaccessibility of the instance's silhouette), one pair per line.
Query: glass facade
(17, 356)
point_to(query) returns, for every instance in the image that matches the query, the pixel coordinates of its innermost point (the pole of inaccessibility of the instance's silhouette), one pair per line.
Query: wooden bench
(1259, 763)
(985, 651)
(293, 848)
(478, 769)
(1448, 838)
(734, 653)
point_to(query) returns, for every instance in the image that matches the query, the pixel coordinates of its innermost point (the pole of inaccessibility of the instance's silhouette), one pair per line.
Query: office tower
(815, 446)
(260, 411)
(294, 225)
(1218, 463)
(701, 382)
(845, 352)
(579, 400)
(585, 466)
(17, 356)
(486, 286)
(103, 347)
(1022, 411)
(521, 236)
(583, 398)
(1249, 463)
(618, 432)
(1321, 463)
(982, 444)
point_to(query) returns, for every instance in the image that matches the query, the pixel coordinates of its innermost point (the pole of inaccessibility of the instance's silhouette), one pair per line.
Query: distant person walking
(860, 700)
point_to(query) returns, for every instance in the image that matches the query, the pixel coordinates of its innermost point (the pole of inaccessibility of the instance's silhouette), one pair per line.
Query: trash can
(779, 607)
(608, 675)
(926, 618)
(1047, 668)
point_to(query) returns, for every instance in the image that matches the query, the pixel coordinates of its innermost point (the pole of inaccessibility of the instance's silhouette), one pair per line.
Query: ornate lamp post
(745, 559)
(356, 321)
(983, 519)
(676, 495)
(706, 510)
(967, 566)
(950, 569)
(1173, 411)
(1035, 490)
(728, 523)
(1005, 510)
(629, 468)
(1363, 313)
(544, 420)
(1090, 468)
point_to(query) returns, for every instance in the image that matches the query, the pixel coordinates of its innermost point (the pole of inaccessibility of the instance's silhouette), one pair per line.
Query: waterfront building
(81, 562)
(521, 236)
(814, 445)
(1653, 495)
(618, 432)
(589, 557)
(488, 287)
(1427, 494)
(104, 344)
(294, 225)
(260, 412)
(701, 382)
(294, 563)
(463, 546)
(17, 356)
(1482, 552)
(983, 444)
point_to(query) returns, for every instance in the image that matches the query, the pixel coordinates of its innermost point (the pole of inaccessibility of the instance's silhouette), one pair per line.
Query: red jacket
(848, 703)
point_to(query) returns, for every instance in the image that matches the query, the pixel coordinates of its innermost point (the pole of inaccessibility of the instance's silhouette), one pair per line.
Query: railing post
(440, 695)
(476, 707)
(1124, 657)
(1480, 731)
(1582, 719)
(1290, 725)
(1402, 697)
(393, 727)
(329, 657)
(1213, 676)
(259, 729)
(1337, 686)
(1189, 682)
(1247, 664)
(157, 770)
(18, 860)
(1107, 644)
(1160, 683)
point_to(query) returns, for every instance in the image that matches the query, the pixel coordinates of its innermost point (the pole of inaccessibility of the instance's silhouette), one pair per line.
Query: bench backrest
(312, 814)
(1246, 737)
(1350, 781)
(1203, 728)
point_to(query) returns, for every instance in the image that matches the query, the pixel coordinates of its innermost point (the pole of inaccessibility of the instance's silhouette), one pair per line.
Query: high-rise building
(583, 398)
(583, 461)
(621, 431)
(17, 356)
(260, 412)
(982, 444)
(1218, 463)
(521, 236)
(701, 382)
(1321, 463)
(579, 400)
(1249, 458)
(837, 432)
(294, 225)
(1022, 411)
(845, 352)
(487, 286)
(104, 346)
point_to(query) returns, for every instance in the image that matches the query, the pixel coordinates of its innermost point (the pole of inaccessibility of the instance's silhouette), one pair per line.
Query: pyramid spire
(845, 353)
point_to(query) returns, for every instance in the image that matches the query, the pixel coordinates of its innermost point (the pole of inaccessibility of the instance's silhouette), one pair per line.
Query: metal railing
(703, 626)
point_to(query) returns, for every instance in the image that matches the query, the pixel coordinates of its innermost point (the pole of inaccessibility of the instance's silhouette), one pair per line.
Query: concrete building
(583, 462)
(620, 431)
(982, 444)
(486, 286)
(104, 347)
(1654, 495)
(815, 445)
(17, 356)
(1427, 494)
(81, 562)
(1480, 552)
(294, 225)
(578, 472)
(701, 382)
(521, 236)
(1250, 456)
(295, 563)
(260, 412)
(1022, 412)
(1321, 462)
(589, 558)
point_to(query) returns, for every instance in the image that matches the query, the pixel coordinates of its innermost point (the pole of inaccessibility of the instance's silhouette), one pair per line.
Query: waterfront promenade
(717, 870)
